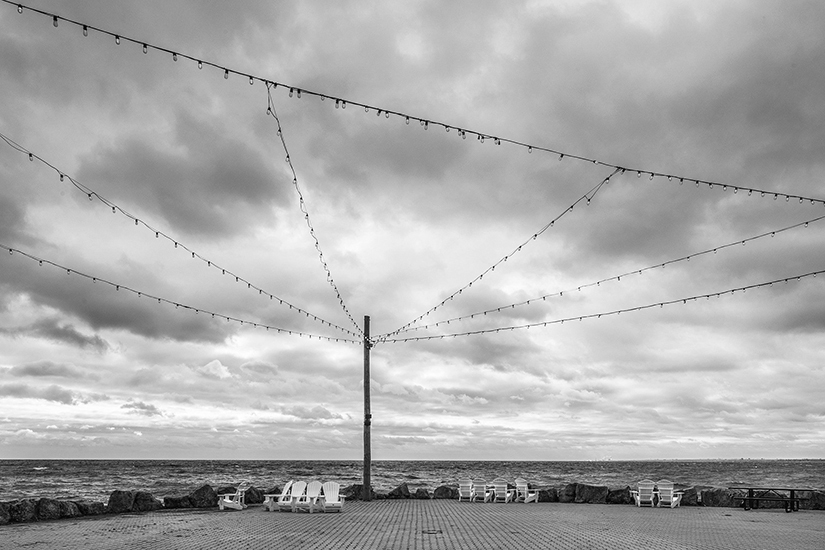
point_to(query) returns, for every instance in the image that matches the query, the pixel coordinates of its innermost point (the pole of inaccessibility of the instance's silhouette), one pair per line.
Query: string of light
(92, 194)
(617, 278)
(424, 122)
(606, 313)
(178, 305)
(271, 111)
(588, 196)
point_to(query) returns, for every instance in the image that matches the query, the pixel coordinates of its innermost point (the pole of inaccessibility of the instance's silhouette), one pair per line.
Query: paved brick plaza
(434, 524)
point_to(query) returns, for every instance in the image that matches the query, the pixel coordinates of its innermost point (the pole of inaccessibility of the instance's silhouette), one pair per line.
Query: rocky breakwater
(128, 501)
(120, 502)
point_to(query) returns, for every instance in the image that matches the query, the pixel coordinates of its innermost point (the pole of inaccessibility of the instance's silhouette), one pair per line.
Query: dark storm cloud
(311, 413)
(46, 368)
(141, 408)
(12, 219)
(205, 183)
(101, 306)
(54, 393)
(52, 329)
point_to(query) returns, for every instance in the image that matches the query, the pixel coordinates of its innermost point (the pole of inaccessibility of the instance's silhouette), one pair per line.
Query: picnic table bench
(752, 496)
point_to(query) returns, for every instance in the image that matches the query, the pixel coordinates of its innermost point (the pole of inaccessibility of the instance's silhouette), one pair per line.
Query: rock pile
(122, 502)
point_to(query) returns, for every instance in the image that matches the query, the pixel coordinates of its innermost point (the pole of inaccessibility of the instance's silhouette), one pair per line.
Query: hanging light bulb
(299, 93)
(145, 48)
(529, 149)
(200, 64)
(61, 177)
(117, 40)
(19, 8)
(174, 56)
(343, 104)
(387, 115)
(337, 103)
(226, 74)
(251, 81)
(54, 20)
(85, 30)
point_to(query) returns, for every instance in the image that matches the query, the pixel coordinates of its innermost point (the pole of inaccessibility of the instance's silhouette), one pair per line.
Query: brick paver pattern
(434, 525)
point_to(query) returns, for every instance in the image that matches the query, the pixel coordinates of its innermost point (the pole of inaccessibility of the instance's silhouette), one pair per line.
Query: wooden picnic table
(753, 495)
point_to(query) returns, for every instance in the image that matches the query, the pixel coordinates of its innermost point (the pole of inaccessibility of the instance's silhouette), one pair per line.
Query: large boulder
(146, 502)
(69, 509)
(88, 508)
(591, 494)
(120, 502)
(620, 496)
(568, 493)
(203, 497)
(177, 502)
(446, 492)
(23, 511)
(47, 508)
(549, 494)
(355, 492)
(815, 500)
(718, 497)
(253, 495)
(421, 494)
(4, 513)
(402, 491)
(692, 496)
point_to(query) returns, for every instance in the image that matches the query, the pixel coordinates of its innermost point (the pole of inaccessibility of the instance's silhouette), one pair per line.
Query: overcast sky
(406, 216)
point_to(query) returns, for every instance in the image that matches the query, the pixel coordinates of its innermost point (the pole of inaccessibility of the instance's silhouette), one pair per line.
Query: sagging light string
(425, 123)
(588, 196)
(178, 305)
(617, 278)
(606, 313)
(270, 110)
(158, 234)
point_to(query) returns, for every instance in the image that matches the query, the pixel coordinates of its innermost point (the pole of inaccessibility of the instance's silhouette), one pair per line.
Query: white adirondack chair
(309, 500)
(502, 493)
(523, 492)
(234, 501)
(297, 491)
(273, 501)
(332, 501)
(667, 497)
(465, 490)
(480, 491)
(644, 494)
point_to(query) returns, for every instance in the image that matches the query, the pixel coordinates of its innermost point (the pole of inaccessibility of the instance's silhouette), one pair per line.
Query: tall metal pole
(366, 489)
